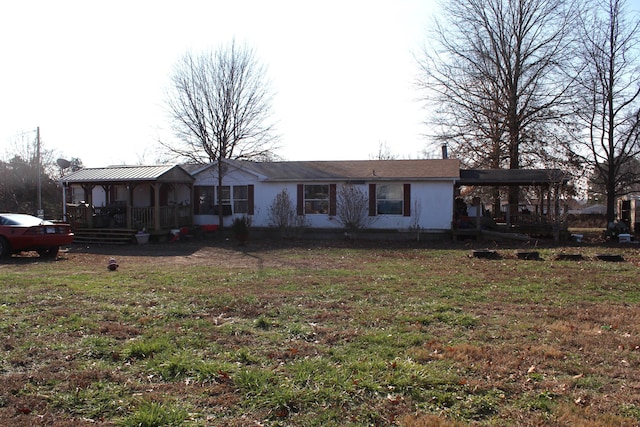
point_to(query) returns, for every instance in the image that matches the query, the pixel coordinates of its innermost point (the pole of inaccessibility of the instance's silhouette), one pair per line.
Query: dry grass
(312, 333)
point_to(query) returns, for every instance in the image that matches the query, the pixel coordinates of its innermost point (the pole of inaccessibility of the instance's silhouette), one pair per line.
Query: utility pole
(40, 211)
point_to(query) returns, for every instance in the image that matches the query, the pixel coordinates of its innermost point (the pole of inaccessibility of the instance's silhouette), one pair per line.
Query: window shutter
(300, 201)
(332, 200)
(372, 200)
(250, 199)
(407, 200)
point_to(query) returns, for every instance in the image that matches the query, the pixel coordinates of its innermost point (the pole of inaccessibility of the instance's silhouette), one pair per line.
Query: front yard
(320, 333)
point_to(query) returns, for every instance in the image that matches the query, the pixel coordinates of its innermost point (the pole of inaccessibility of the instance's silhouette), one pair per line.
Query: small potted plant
(142, 237)
(240, 227)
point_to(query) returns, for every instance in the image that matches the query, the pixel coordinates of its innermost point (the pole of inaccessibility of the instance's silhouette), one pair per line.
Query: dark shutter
(250, 199)
(332, 200)
(300, 201)
(372, 200)
(407, 200)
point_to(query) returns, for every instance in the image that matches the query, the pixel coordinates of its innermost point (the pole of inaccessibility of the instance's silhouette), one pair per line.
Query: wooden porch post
(88, 197)
(540, 207)
(192, 203)
(556, 201)
(556, 214)
(176, 208)
(130, 188)
(549, 218)
(107, 193)
(156, 206)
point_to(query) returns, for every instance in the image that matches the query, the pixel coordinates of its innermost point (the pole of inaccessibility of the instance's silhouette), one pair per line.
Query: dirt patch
(261, 253)
(187, 253)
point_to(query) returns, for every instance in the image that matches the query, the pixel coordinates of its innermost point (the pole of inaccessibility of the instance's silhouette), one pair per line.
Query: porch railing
(175, 216)
(83, 216)
(142, 218)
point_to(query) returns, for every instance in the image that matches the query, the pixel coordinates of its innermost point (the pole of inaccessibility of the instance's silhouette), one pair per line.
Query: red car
(22, 233)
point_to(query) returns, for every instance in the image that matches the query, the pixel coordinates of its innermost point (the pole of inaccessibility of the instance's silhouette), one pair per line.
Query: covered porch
(481, 205)
(153, 218)
(155, 199)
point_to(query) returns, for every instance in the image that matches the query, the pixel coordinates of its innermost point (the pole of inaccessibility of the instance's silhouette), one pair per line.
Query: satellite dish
(63, 163)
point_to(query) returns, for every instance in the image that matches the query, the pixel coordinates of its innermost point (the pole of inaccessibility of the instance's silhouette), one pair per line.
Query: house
(398, 195)
(401, 194)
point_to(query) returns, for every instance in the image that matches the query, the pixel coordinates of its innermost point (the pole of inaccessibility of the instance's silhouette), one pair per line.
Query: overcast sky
(92, 74)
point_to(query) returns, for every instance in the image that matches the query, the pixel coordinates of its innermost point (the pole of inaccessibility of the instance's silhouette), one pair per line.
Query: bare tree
(496, 76)
(609, 98)
(220, 104)
(384, 152)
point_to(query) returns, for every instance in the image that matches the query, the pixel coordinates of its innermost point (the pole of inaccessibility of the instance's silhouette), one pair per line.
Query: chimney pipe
(445, 154)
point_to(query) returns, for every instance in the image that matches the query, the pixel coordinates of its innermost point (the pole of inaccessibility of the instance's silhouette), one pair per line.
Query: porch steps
(105, 236)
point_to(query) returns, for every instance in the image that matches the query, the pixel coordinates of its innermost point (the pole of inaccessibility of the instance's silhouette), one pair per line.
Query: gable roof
(161, 173)
(351, 170)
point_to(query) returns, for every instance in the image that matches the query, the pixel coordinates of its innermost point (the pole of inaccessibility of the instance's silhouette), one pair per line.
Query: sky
(92, 75)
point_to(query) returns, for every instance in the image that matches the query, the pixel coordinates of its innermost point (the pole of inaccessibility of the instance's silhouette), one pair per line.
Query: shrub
(353, 208)
(241, 225)
(283, 216)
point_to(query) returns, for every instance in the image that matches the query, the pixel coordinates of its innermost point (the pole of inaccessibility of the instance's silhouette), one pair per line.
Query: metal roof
(352, 170)
(128, 174)
(514, 177)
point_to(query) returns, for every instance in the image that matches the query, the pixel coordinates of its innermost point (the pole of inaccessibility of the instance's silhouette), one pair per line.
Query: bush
(282, 215)
(241, 225)
(353, 208)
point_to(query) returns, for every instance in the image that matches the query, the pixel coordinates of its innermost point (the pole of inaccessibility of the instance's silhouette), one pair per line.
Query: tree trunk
(219, 200)
(611, 202)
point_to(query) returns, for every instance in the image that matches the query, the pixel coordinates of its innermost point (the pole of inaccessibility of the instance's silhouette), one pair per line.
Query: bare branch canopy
(608, 101)
(220, 106)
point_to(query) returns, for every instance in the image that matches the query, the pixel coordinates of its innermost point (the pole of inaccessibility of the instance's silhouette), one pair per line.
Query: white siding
(431, 203)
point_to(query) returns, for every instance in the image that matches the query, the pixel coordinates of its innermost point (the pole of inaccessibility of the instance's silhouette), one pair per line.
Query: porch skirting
(106, 236)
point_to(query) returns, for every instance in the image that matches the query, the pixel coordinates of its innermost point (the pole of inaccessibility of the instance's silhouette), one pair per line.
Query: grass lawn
(320, 334)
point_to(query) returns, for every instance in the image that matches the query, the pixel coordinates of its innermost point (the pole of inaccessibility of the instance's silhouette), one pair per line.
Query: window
(389, 199)
(316, 199)
(224, 199)
(224, 195)
(204, 200)
(240, 199)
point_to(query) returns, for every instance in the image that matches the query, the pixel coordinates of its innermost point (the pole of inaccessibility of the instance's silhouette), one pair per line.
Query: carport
(542, 219)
